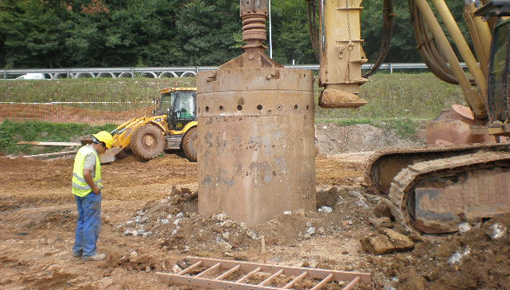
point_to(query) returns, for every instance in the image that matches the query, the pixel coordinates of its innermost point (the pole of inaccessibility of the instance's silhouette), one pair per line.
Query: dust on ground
(151, 224)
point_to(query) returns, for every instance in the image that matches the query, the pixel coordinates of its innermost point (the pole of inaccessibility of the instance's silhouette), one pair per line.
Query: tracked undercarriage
(433, 190)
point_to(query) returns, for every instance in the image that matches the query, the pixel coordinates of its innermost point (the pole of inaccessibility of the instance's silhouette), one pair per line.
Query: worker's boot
(96, 257)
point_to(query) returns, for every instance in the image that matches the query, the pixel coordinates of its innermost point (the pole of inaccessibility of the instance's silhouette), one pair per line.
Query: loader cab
(184, 110)
(179, 104)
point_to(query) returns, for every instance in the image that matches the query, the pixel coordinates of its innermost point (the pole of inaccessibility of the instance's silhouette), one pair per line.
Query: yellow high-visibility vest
(80, 186)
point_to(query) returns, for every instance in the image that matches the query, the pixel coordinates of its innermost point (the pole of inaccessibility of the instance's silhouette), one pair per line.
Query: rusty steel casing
(256, 136)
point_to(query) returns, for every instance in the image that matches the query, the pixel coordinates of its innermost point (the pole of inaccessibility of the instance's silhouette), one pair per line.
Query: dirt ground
(150, 224)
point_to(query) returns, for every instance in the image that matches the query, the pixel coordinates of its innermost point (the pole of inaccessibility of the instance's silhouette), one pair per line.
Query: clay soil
(150, 224)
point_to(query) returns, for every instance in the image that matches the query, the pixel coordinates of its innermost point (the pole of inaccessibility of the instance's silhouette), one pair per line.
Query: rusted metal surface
(220, 274)
(333, 98)
(453, 127)
(256, 133)
(435, 196)
(256, 158)
(254, 14)
(341, 54)
(454, 132)
(385, 165)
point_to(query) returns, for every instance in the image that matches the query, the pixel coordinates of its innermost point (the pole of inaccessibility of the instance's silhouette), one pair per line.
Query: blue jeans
(89, 224)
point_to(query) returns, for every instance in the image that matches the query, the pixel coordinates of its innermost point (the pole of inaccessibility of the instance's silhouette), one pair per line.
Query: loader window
(166, 103)
(185, 105)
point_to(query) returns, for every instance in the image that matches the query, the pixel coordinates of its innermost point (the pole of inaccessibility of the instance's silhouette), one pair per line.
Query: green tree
(85, 33)
(291, 38)
(33, 31)
(207, 30)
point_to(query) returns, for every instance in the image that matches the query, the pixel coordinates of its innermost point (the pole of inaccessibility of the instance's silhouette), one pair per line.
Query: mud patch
(332, 138)
(63, 219)
(57, 280)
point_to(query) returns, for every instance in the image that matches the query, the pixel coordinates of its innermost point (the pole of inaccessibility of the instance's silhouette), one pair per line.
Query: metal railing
(165, 72)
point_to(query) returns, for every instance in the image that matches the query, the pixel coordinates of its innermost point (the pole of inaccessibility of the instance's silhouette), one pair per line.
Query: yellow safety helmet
(104, 137)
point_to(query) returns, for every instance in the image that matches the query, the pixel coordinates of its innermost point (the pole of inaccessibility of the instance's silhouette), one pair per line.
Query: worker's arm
(87, 173)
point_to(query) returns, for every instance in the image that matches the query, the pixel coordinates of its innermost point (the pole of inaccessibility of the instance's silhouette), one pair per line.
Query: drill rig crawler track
(385, 165)
(434, 195)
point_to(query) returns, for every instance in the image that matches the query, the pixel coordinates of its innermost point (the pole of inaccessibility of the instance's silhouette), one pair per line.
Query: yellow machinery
(432, 190)
(173, 126)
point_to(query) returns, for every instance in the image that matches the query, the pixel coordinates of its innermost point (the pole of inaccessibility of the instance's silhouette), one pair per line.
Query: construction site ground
(151, 224)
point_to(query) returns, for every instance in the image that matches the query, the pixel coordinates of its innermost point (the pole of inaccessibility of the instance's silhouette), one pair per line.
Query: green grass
(140, 91)
(397, 102)
(413, 96)
(404, 127)
(13, 132)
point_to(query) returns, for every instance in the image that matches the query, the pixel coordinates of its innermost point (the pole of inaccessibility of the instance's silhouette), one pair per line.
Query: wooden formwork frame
(224, 268)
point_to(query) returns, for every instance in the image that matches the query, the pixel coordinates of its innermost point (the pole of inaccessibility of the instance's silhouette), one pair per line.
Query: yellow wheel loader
(172, 126)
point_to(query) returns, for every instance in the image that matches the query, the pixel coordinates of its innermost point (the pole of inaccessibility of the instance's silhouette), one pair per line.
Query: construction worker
(87, 188)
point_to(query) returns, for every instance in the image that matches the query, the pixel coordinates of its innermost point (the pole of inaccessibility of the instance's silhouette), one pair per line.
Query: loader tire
(189, 144)
(147, 142)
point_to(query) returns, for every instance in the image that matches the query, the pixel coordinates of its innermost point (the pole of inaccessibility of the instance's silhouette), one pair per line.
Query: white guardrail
(159, 72)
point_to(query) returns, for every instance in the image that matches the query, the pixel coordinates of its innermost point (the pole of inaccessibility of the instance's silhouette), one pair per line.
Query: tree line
(109, 33)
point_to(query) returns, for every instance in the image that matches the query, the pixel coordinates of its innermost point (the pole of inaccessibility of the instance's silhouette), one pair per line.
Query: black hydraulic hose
(312, 25)
(432, 55)
(427, 47)
(387, 34)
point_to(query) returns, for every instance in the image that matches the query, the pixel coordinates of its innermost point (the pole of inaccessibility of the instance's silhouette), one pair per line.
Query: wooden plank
(352, 284)
(253, 272)
(265, 282)
(190, 268)
(212, 268)
(51, 154)
(226, 274)
(295, 271)
(44, 143)
(323, 282)
(296, 280)
(210, 283)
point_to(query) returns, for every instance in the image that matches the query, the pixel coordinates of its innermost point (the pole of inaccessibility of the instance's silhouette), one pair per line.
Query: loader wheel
(189, 144)
(147, 142)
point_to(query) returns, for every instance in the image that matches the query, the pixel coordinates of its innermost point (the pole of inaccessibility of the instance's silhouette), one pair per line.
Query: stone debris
(326, 209)
(176, 269)
(225, 246)
(387, 241)
(381, 222)
(465, 227)
(497, 231)
(128, 233)
(390, 283)
(362, 201)
(220, 217)
(457, 256)
(251, 234)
